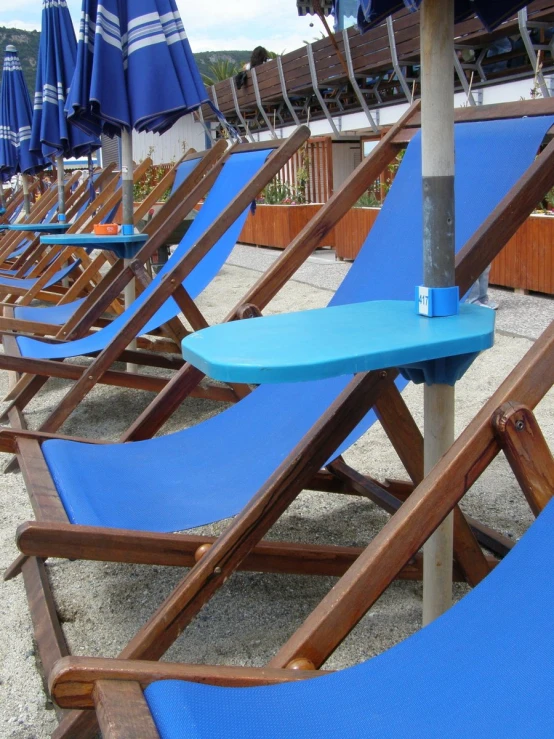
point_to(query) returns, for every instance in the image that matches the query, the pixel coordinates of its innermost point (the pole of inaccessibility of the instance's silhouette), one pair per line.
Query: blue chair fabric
(483, 669)
(209, 472)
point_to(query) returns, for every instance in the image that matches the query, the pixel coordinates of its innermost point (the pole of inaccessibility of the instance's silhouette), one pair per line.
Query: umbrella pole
(26, 198)
(437, 125)
(2, 198)
(127, 206)
(61, 189)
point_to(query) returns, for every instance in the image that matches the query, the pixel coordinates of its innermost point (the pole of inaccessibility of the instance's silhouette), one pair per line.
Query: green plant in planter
(368, 200)
(153, 176)
(303, 175)
(277, 192)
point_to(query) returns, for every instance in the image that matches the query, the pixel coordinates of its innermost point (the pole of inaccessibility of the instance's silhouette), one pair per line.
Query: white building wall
(346, 157)
(170, 146)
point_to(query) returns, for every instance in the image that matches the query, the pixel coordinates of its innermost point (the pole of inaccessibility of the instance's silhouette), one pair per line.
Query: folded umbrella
(15, 124)
(134, 71)
(52, 135)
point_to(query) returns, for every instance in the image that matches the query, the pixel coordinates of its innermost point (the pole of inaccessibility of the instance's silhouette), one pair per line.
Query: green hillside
(26, 43)
(206, 59)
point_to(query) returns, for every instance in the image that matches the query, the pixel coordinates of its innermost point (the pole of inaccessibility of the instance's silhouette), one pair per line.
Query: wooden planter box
(352, 231)
(277, 225)
(526, 262)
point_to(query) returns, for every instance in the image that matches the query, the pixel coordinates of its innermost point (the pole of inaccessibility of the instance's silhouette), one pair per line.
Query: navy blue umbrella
(491, 12)
(437, 124)
(134, 70)
(52, 135)
(16, 117)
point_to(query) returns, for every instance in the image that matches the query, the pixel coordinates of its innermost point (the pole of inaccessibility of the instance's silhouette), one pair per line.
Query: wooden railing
(483, 64)
(316, 157)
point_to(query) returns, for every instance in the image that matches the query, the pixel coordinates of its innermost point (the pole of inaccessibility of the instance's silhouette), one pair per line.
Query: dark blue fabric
(16, 116)
(51, 134)
(483, 669)
(135, 68)
(236, 172)
(491, 12)
(210, 471)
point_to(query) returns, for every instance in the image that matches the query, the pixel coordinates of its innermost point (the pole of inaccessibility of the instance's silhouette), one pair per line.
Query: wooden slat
(122, 711)
(48, 632)
(527, 452)
(69, 541)
(72, 681)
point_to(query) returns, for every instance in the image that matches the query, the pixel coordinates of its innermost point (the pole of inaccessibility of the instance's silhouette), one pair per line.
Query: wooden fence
(317, 157)
(527, 260)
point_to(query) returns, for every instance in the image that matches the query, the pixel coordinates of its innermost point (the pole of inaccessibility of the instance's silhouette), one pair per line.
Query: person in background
(260, 55)
(478, 292)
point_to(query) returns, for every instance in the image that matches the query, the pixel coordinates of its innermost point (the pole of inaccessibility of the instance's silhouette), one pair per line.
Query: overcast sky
(233, 24)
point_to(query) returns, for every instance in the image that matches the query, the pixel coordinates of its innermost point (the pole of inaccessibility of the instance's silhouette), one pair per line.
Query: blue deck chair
(238, 170)
(65, 260)
(23, 244)
(58, 315)
(232, 456)
(12, 219)
(388, 267)
(483, 669)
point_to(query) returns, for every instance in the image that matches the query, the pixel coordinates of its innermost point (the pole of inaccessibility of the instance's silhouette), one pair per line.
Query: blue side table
(125, 246)
(315, 344)
(41, 228)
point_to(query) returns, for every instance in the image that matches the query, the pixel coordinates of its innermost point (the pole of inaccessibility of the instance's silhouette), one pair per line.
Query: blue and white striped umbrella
(52, 135)
(16, 116)
(135, 68)
(491, 12)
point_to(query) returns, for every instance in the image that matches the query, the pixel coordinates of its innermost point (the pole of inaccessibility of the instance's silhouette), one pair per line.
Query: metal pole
(437, 126)
(127, 181)
(26, 198)
(2, 198)
(354, 82)
(395, 63)
(61, 189)
(127, 226)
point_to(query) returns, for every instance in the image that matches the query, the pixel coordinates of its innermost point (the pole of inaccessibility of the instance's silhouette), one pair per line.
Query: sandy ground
(103, 605)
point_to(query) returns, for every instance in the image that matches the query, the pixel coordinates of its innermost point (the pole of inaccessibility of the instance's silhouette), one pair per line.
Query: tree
(219, 71)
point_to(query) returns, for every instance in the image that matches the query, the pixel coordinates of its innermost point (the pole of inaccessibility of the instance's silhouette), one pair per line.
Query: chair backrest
(502, 627)
(236, 172)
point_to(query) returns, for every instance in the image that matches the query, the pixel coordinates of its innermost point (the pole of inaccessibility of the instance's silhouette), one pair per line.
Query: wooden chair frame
(49, 259)
(241, 546)
(74, 202)
(11, 239)
(118, 277)
(114, 687)
(110, 201)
